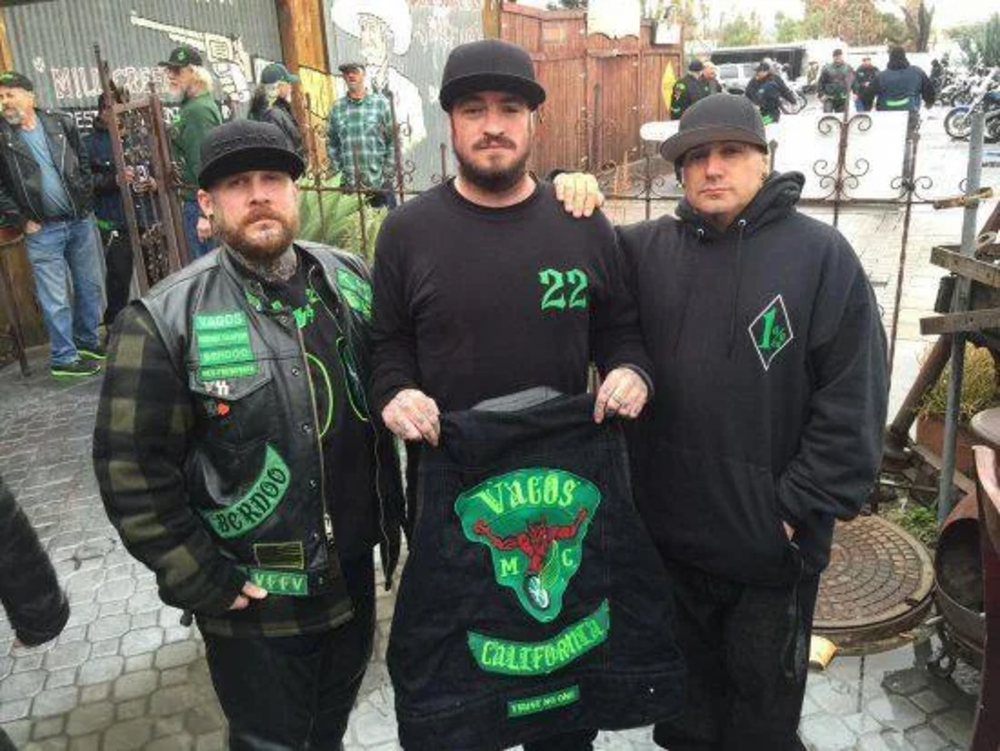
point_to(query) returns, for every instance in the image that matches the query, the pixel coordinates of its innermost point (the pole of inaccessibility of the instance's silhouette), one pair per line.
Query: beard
(258, 247)
(493, 179)
(13, 116)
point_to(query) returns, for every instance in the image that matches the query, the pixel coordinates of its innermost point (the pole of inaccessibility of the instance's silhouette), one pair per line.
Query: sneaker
(75, 369)
(96, 352)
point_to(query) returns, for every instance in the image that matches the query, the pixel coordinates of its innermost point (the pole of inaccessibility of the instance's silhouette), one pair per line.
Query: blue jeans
(196, 248)
(53, 248)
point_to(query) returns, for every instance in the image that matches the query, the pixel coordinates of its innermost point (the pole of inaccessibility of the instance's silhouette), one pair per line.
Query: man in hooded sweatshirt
(901, 86)
(765, 425)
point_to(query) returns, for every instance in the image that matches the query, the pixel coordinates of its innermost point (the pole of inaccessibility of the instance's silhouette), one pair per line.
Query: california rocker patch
(533, 522)
(771, 331)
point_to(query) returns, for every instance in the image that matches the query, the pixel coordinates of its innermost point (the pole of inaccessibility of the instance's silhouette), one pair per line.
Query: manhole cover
(878, 583)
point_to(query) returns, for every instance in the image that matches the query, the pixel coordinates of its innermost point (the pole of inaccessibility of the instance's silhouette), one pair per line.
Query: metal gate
(147, 179)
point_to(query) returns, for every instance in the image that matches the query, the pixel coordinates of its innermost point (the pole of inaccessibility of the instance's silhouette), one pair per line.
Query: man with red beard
(237, 458)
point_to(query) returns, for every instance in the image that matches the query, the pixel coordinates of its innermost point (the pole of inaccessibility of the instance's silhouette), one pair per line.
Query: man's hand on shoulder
(579, 193)
(623, 393)
(413, 416)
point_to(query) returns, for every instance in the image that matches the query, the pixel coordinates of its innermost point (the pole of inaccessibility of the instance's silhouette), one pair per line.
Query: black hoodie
(771, 386)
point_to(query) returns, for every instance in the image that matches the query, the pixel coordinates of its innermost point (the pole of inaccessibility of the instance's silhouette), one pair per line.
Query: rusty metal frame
(161, 248)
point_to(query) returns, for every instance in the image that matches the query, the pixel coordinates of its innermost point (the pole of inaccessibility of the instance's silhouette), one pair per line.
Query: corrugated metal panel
(406, 44)
(53, 43)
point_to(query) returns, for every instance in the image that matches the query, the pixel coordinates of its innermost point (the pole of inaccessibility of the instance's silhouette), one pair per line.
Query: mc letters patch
(533, 522)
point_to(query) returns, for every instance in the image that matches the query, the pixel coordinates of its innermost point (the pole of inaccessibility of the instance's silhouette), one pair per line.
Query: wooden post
(6, 55)
(303, 42)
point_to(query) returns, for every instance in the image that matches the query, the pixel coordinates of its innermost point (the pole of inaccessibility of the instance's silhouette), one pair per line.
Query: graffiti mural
(404, 45)
(236, 37)
(225, 55)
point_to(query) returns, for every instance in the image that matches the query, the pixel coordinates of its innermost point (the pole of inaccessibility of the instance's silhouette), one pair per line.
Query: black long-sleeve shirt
(473, 303)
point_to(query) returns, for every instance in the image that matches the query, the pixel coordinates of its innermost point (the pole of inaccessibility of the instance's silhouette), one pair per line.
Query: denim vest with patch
(533, 601)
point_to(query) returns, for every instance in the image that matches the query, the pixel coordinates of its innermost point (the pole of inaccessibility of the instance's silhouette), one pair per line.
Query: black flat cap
(11, 79)
(489, 65)
(348, 66)
(718, 117)
(181, 57)
(244, 146)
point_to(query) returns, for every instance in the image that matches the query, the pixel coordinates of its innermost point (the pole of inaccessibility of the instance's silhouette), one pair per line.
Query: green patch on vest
(535, 704)
(280, 582)
(223, 342)
(356, 291)
(495, 655)
(533, 521)
(257, 504)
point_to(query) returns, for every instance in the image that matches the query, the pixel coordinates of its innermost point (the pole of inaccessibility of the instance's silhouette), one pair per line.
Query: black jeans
(746, 650)
(118, 259)
(296, 692)
(580, 740)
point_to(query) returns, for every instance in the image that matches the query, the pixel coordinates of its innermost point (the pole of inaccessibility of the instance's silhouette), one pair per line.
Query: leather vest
(254, 467)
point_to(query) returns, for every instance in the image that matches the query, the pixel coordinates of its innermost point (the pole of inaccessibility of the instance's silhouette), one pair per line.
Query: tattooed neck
(272, 270)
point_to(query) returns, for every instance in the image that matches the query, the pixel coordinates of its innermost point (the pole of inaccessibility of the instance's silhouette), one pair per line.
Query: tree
(919, 19)
(980, 42)
(788, 29)
(857, 22)
(568, 5)
(741, 31)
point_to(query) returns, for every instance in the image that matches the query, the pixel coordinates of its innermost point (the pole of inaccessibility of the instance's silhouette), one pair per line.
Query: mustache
(263, 214)
(488, 141)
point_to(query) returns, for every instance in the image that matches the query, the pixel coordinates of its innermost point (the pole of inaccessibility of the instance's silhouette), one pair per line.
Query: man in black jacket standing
(237, 457)
(771, 391)
(901, 86)
(272, 103)
(767, 90)
(45, 187)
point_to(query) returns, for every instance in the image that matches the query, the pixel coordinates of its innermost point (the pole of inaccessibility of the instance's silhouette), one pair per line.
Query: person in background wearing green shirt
(360, 126)
(198, 115)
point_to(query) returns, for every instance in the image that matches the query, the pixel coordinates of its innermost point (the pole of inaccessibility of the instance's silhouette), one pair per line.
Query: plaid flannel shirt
(144, 421)
(365, 125)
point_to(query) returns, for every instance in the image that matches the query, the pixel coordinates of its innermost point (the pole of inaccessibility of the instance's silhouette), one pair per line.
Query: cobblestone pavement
(125, 675)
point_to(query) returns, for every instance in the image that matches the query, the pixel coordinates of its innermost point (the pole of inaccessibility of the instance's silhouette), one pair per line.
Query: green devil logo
(533, 521)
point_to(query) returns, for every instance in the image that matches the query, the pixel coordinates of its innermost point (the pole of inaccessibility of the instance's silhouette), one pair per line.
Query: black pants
(580, 740)
(118, 259)
(296, 692)
(746, 650)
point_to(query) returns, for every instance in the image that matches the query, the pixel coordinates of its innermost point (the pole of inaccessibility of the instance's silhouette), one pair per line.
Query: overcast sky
(947, 13)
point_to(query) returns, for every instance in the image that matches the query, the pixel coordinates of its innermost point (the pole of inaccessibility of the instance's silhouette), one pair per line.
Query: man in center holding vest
(484, 290)
(237, 458)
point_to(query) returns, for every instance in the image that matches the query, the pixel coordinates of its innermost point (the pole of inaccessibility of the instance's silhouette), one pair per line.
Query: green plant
(333, 218)
(919, 521)
(979, 387)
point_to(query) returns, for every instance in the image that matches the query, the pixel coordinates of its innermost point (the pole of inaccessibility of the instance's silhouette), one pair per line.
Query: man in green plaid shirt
(361, 123)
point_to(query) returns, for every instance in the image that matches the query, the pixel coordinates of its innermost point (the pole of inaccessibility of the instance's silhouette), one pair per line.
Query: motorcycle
(958, 121)
(800, 100)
